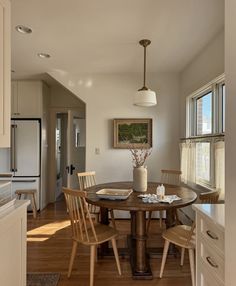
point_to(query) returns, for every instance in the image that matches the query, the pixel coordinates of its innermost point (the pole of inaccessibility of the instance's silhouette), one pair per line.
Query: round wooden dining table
(137, 241)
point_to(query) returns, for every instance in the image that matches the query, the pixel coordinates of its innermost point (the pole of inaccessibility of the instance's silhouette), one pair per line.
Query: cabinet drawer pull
(212, 235)
(211, 262)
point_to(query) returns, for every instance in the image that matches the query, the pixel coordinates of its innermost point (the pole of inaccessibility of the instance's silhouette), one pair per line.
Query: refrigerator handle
(13, 147)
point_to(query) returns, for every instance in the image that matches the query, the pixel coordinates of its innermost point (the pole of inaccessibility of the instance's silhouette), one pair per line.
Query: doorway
(67, 150)
(61, 152)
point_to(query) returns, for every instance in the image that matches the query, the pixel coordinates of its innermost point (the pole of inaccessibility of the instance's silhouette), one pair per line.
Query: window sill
(199, 188)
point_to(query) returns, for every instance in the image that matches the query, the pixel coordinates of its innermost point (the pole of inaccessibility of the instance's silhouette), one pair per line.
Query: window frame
(216, 87)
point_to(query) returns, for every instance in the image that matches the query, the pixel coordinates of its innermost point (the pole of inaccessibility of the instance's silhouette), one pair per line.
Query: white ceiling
(101, 36)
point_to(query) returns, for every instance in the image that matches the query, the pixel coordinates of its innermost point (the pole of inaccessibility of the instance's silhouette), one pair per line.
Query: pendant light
(145, 96)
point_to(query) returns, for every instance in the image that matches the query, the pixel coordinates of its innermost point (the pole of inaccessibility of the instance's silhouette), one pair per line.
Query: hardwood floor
(49, 247)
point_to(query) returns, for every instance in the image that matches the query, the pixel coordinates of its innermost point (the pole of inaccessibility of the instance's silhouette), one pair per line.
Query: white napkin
(152, 198)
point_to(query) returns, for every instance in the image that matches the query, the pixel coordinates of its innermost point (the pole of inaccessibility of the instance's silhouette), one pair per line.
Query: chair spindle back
(81, 222)
(86, 179)
(191, 234)
(209, 197)
(172, 177)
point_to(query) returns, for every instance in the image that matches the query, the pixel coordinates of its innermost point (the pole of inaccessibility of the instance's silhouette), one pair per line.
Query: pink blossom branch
(139, 156)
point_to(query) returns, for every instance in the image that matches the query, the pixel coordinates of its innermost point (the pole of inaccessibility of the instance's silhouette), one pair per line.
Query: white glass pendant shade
(145, 98)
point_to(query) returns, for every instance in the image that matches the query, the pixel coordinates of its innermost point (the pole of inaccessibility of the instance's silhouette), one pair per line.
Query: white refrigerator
(25, 155)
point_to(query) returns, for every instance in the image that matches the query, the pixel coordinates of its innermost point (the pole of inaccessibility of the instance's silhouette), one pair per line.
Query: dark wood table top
(133, 203)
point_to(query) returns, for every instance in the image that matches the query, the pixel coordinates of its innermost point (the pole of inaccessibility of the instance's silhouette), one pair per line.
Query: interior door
(75, 148)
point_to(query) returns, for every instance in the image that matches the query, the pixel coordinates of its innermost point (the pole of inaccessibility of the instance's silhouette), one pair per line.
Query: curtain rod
(204, 137)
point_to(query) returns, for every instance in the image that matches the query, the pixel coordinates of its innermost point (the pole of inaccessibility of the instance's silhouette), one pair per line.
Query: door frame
(53, 111)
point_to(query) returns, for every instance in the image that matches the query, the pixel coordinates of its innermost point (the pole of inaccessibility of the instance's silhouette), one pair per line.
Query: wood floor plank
(49, 246)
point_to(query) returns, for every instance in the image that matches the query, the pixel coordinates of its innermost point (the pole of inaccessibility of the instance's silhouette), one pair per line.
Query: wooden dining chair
(84, 231)
(209, 197)
(86, 180)
(170, 177)
(184, 237)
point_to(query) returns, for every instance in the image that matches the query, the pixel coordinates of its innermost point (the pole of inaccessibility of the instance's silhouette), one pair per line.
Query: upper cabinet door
(26, 99)
(5, 73)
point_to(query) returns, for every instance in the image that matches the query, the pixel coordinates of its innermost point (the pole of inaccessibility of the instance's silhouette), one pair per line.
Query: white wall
(205, 67)
(230, 141)
(61, 100)
(62, 97)
(111, 96)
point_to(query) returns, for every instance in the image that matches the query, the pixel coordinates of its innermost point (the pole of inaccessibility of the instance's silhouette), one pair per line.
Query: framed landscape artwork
(133, 133)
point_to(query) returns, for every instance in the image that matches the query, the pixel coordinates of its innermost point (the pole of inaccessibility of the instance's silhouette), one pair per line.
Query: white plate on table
(114, 194)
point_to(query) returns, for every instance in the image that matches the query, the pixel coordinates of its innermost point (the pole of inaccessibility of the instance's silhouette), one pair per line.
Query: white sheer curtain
(188, 162)
(220, 168)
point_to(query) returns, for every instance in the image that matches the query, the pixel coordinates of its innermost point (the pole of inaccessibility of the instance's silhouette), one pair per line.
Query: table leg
(133, 224)
(104, 248)
(137, 244)
(170, 218)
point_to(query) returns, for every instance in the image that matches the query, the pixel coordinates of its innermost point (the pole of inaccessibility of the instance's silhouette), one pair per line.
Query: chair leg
(34, 206)
(149, 220)
(177, 220)
(164, 255)
(96, 254)
(72, 257)
(191, 260)
(113, 241)
(182, 256)
(161, 216)
(113, 219)
(92, 260)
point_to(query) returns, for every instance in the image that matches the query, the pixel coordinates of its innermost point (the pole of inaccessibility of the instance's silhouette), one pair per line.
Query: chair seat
(179, 235)
(103, 232)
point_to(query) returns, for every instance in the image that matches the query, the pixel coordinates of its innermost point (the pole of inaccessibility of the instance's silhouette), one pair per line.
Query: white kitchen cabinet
(5, 73)
(210, 244)
(13, 243)
(27, 98)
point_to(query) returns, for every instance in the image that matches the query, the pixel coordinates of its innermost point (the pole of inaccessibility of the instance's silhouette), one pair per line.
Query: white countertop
(216, 212)
(10, 207)
(4, 183)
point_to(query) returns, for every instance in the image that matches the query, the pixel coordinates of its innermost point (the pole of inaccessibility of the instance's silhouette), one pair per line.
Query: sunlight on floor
(45, 231)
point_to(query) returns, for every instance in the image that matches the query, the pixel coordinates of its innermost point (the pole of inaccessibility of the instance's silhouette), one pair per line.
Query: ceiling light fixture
(145, 96)
(23, 29)
(44, 56)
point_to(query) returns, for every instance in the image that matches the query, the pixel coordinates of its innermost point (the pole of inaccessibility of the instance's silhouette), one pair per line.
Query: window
(205, 128)
(204, 114)
(223, 106)
(203, 151)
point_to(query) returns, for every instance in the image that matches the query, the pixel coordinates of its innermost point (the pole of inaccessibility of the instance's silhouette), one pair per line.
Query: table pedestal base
(137, 244)
(145, 274)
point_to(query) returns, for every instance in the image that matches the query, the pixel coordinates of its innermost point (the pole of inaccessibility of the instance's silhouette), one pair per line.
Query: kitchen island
(210, 253)
(13, 242)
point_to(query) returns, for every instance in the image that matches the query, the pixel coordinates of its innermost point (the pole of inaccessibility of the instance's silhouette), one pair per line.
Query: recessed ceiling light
(23, 29)
(44, 56)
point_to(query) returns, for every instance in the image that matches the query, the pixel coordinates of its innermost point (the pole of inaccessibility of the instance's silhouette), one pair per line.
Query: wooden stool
(32, 193)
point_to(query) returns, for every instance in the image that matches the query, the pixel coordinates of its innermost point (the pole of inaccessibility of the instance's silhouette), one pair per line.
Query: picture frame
(132, 133)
